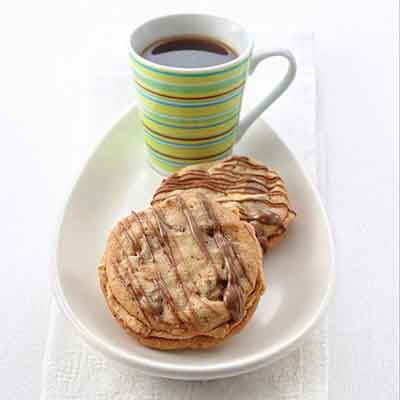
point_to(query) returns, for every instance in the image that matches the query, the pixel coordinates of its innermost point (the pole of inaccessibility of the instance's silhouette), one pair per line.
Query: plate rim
(186, 372)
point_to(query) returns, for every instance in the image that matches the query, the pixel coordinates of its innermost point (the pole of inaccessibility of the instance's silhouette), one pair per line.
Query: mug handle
(253, 114)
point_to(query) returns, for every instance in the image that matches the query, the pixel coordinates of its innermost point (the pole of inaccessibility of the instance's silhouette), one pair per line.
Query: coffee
(189, 52)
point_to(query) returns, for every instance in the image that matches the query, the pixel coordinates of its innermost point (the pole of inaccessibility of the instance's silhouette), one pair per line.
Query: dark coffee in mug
(189, 52)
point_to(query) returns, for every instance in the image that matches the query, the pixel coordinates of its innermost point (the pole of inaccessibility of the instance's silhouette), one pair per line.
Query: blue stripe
(192, 127)
(197, 105)
(187, 75)
(192, 145)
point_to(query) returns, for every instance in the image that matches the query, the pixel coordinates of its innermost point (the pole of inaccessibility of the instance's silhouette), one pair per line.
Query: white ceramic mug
(192, 115)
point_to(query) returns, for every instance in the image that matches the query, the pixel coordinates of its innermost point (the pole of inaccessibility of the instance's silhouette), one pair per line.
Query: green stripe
(145, 109)
(192, 145)
(187, 75)
(187, 88)
(193, 105)
(192, 127)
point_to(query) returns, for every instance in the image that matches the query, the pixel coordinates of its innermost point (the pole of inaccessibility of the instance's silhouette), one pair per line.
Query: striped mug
(191, 115)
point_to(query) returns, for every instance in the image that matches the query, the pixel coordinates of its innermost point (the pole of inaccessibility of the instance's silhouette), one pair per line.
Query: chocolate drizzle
(144, 234)
(151, 242)
(163, 240)
(132, 240)
(220, 183)
(233, 296)
(226, 180)
(260, 185)
(196, 232)
(134, 286)
(255, 199)
(160, 283)
(266, 217)
(195, 290)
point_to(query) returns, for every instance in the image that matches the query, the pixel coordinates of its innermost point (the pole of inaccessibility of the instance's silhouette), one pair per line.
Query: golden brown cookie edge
(198, 342)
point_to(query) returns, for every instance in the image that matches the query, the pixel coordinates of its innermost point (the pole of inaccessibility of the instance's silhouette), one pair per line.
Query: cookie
(183, 273)
(256, 193)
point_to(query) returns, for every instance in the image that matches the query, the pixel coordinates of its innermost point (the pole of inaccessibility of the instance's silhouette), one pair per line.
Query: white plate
(299, 273)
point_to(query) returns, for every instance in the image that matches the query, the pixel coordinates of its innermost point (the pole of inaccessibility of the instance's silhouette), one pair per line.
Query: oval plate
(299, 272)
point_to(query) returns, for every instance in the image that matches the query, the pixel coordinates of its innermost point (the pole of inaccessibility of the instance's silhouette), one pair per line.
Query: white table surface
(44, 81)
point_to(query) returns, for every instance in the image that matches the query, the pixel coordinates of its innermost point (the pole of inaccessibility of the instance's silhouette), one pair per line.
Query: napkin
(73, 370)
